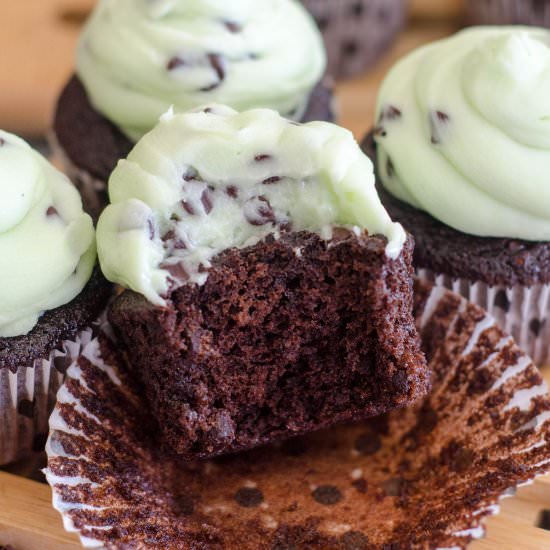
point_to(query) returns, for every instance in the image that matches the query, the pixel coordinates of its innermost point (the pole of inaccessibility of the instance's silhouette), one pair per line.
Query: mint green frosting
(136, 58)
(464, 131)
(47, 246)
(205, 181)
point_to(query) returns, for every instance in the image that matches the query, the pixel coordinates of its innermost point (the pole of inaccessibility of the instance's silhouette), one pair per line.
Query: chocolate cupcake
(462, 150)
(509, 12)
(136, 59)
(270, 293)
(356, 32)
(49, 292)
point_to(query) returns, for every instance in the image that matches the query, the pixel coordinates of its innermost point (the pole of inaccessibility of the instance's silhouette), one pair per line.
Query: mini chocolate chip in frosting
(233, 26)
(175, 62)
(437, 120)
(176, 270)
(262, 157)
(390, 113)
(258, 211)
(206, 199)
(217, 63)
(232, 191)
(191, 174)
(271, 180)
(188, 207)
(2, 141)
(52, 211)
(380, 131)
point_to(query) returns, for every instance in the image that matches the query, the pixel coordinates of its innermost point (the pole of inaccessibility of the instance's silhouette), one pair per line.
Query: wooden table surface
(38, 39)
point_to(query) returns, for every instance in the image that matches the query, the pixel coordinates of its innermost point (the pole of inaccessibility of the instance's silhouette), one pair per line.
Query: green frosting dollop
(47, 245)
(464, 131)
(206, 181)
(136, 58)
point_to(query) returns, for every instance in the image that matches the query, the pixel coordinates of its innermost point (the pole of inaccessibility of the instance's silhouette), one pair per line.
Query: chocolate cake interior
(286, 336)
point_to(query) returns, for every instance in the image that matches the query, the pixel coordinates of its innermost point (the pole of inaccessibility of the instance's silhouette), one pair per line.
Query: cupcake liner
(27, 397)
(423, 477)
(92, 190)
(520, 311)
(501, 12)
(356, 32)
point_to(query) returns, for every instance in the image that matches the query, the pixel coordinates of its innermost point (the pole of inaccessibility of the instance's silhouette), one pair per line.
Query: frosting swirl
(136, 58)
(464, 131)
(47, 246)
(205, 181)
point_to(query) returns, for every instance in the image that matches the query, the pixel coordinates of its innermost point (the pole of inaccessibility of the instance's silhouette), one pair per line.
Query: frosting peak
(205, 181)
(138, 57)
(47, 247)
(471, 144)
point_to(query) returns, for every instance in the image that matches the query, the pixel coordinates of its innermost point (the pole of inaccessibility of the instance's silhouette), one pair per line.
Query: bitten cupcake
(507, 12)
(356, 32)
(463, 158)
(136, 58)
(270, 293)
(49, 292)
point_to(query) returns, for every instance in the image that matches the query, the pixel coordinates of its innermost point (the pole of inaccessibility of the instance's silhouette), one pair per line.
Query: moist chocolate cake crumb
(56, 326)
(442, 249)
(94, 144)
(277, 344)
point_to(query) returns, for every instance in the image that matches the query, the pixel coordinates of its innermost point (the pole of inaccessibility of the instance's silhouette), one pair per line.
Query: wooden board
(38, 38)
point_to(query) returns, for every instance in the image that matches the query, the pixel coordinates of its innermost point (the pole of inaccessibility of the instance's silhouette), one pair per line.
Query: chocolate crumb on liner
(421, 477)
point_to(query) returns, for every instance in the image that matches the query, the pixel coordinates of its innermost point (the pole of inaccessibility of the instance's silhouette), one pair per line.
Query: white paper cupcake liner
(27, 397)
(523, 312)
(423, 477)
(92, 190)
(507, 12)
(356, 32)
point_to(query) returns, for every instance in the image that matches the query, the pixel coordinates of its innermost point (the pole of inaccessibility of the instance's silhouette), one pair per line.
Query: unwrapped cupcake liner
(92, 190)
(506, 12)
(27, 397)
(520, 311)
(422, 477)
(356, 32)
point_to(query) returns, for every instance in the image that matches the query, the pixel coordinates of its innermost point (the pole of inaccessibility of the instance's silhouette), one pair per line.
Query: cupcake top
(464, 131)
(209, 180)
(136, 58)
(47, 246)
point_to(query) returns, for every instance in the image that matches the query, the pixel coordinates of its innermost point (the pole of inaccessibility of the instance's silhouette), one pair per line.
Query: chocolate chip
(217, 63)
(261, 158)
(502, 301)
(232, 26)
(249, 497)
(62, 363)
(390, 168)
(536, 326)
(188, 207)
(380, 131)
(271, 180)
(208, 110)
(258, 211)
(174, 63)
(437, 120)
(2, 141)
(26, 408)
(394, 487)
(206, 199)
(52, 211)
(390, 113)
(177, 271)
(151, 229)
(327, 495)
(232, 191)
(191, 174)
(354, 540)
(368, 444)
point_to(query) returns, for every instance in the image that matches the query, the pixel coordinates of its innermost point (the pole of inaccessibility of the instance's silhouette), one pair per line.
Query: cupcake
(137, 58)
(269, 293)
(462, 151)
(508, 12)
(49, 291)
(356, 32)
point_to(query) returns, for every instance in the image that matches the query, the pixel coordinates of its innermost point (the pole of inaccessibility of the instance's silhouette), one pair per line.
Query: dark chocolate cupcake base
(32, 368)
(510, 278)
(90, 146)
